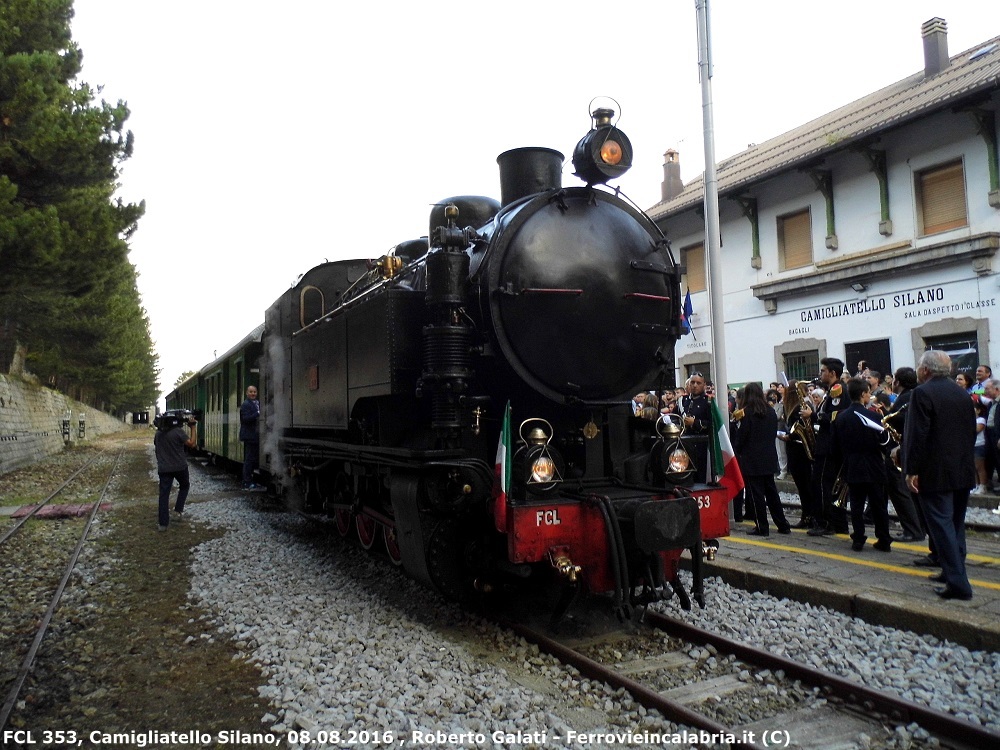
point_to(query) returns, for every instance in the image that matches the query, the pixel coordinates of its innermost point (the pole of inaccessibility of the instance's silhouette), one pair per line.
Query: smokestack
(671, 186)
(935, 34)
(526, 171)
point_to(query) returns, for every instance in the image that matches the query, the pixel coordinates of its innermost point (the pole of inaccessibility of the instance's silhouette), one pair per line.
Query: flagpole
(712, 235)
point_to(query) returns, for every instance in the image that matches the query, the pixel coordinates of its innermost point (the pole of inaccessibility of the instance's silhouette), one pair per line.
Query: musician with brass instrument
(908, 512)
(826, 466)
(859, 441)
(800, 441)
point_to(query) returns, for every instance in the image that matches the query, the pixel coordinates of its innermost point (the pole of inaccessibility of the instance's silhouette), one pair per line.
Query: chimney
(935, 34)
(671, 186)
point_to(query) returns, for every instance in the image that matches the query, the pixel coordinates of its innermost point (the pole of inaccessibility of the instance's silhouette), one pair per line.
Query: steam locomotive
(464, 400)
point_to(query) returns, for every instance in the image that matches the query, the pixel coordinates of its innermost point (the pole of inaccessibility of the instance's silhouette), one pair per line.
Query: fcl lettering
(547, 518)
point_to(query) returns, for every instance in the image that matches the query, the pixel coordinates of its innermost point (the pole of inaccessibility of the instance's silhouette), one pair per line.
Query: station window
(795, 240)
(802, 365)
(704, 368)
(940, 195)
(694, 265)
(963, 348)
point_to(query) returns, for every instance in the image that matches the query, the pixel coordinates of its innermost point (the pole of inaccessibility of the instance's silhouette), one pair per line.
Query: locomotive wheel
(342, 494)
(452, 557)
(392, 545)
(342, 518)
(367, 527)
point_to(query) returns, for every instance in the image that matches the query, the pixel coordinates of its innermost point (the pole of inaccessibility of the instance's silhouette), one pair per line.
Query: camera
(174, 418)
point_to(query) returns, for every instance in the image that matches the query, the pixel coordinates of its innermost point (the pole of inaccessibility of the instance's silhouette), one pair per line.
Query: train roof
(254, 337)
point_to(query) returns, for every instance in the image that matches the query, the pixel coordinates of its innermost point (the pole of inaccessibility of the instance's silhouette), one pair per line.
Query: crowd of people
(922, 439)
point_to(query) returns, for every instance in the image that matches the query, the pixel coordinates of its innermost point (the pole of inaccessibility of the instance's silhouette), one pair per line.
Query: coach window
(940, 193)
(795, 240)
(694, 265)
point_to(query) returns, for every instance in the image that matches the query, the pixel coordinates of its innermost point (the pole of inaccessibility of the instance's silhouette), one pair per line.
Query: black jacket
(836, 401)
(940, 436)
(753, 444)
(859, 446)
(249, 414)
(701, 410)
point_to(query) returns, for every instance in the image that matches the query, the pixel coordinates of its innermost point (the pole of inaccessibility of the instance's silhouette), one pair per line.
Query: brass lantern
(537, 463)
(675, 462)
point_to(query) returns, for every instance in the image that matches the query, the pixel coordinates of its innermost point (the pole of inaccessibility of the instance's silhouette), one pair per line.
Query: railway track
(28, 551)
(17, 525)
(732, 692)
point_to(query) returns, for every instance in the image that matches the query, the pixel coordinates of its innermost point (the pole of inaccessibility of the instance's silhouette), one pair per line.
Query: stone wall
(32, 422)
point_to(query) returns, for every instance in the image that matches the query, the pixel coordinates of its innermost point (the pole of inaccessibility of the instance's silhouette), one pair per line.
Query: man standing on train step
(938, 464)
(250, 437)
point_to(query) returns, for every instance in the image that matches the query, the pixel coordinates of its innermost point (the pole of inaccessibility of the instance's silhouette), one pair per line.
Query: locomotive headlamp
(679, 460)
(537, 463)
(543, 469)
(675, 462)
(604, 153)
(611, 152)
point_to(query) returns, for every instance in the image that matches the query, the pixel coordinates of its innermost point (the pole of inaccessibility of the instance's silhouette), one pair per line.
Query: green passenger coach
(215, 393)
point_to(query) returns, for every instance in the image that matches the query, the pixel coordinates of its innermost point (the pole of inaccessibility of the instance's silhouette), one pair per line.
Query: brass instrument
(800, 429)
(795, 392)
(737, 415)
(893, 432)
(841, 489)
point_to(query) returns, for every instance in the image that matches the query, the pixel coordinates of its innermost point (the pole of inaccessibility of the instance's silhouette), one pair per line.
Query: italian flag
(501, 474)
(725, 468)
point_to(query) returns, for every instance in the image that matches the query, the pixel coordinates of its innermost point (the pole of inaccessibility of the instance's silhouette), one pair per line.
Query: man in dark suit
(858, 440)
(939, 465)
(695, 407)
(697, 412)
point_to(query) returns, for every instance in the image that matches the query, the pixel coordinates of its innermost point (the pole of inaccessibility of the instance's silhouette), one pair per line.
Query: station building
(868, 233)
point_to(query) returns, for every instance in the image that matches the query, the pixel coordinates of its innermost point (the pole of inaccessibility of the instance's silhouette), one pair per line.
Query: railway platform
(877, 587)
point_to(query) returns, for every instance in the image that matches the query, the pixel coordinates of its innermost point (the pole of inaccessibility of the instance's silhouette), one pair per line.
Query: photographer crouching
(169, 443)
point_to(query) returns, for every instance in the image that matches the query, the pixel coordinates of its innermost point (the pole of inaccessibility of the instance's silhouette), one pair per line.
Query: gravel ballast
(347, 642)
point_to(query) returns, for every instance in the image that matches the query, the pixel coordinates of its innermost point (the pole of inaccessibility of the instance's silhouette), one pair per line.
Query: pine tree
(67, 287)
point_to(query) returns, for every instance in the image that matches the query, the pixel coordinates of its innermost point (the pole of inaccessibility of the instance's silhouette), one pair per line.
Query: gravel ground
(349, 645)
(307, 611)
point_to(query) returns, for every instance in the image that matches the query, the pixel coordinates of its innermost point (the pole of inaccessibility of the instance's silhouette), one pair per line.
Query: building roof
(971, 74)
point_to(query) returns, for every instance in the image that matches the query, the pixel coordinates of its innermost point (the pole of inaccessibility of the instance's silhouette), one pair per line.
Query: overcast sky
(270, 137)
